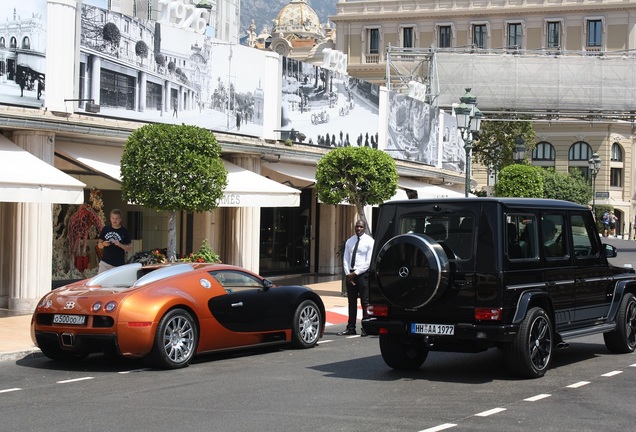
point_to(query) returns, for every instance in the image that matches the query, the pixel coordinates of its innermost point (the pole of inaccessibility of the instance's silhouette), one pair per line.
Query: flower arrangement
(204, 255)
(155, 256)
(158, 256)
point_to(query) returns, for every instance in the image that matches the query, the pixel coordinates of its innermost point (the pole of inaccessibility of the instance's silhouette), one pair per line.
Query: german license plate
(69, 319)
(433, 329)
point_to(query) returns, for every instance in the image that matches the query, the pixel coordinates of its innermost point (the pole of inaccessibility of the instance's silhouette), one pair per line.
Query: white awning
(244, 188)
(425, 190)
(28, 179)
(248, 189)
(305, 173)
(103, 159)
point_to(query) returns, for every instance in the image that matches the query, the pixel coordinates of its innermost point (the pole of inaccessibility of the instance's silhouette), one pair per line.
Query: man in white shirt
(356, 260)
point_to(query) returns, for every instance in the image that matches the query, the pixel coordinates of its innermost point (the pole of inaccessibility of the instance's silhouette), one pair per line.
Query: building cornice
(381, 11)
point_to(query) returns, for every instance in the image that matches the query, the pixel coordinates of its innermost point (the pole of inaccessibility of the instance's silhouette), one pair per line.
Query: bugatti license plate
(69, 319)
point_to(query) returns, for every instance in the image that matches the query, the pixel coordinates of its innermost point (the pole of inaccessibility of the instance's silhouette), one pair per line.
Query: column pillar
(31, 235)
(142, 91)
(95, 78)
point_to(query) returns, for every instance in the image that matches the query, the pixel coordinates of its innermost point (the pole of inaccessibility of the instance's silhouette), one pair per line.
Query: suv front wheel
(623, 339)
(530, 354)
(402, 353)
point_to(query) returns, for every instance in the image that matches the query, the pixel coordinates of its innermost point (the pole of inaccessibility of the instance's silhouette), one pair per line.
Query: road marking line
(325, 341)
(612, 373)
(439, 428)
(537, 397)
(633, 365)
(10, 390)
(578, 384)
(75, 380)
(490, 412)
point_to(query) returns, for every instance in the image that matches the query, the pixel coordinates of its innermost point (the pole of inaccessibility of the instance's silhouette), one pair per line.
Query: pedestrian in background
(356, 260)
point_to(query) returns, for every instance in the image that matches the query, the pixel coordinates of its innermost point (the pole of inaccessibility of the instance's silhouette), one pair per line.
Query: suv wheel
(530, 354)
(623, 339)
(402, 353)
(412, 270)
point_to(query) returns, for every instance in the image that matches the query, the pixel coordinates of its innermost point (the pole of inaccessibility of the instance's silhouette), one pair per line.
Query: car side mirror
(267, 284)
(610, 251)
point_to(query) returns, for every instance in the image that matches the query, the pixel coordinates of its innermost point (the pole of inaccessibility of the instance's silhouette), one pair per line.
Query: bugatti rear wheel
(176, 340)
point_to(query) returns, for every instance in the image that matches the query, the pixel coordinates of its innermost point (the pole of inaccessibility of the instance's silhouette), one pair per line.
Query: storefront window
(285, 234)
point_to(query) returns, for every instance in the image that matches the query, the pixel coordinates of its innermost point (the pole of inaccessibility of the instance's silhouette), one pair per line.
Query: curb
(21, 354)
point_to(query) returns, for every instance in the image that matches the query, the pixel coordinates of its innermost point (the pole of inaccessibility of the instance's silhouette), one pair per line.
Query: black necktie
(353, 254)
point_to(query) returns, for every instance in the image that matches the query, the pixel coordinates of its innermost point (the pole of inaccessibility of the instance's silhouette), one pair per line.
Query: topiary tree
(356, 175)
(111, 34)
(173, 168)
(141, 49)
(519, 181)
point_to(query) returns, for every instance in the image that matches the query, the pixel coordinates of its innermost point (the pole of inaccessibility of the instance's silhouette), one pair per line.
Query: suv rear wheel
(623, 339)
(402, 353)
(530, 354)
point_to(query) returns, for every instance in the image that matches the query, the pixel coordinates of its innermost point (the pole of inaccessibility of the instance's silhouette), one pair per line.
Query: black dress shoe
(347, 332)
(363, 333)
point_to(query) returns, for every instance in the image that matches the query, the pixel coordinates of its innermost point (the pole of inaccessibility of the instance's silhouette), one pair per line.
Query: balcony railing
(372, 58)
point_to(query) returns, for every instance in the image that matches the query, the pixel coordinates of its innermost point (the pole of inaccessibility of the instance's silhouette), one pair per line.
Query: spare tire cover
(412, 270)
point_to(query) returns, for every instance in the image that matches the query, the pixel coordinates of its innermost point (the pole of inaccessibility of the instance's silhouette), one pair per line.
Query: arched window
(544, 155)
(26, 43)
(617, 153)
(544, 151)
(14, 42)
(2, 42)
(578, 156)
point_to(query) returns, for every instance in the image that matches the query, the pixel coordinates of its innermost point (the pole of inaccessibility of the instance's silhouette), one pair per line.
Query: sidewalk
(15, 331)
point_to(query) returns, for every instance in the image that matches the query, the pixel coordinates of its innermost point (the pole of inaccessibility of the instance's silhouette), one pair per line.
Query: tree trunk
(172, 237)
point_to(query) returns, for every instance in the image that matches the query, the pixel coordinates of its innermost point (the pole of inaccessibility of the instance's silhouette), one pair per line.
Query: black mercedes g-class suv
(469, 274)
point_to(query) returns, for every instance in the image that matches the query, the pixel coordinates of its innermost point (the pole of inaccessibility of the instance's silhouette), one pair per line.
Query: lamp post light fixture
(519, 153)
(595, 166)
(468, 122)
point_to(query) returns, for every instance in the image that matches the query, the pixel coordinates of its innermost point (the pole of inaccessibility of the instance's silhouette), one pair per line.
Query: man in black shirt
(114, 241)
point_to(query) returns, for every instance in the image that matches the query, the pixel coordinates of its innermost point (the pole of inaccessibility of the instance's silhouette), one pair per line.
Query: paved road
(341, 385)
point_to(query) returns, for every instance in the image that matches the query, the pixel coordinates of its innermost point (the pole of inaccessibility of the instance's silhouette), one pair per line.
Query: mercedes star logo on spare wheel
(403, 272)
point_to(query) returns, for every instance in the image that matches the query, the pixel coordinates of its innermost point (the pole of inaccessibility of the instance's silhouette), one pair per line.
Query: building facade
(566, 65)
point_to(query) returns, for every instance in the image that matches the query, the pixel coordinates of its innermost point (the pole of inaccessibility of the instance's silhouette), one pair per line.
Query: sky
(24, 8)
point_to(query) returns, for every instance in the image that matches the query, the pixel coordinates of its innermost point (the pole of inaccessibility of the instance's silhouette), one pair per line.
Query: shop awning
(244, 188)
(248, 189)
(102, 159)
(28, 179)
(300, 175)
(425, 190)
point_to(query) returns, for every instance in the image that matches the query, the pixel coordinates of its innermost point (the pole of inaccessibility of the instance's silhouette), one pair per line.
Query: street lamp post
(595, 166)
(519, 153)
(468, 122)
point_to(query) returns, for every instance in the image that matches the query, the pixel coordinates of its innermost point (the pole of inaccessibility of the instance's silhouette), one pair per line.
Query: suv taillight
(488, 314)
(378, 310)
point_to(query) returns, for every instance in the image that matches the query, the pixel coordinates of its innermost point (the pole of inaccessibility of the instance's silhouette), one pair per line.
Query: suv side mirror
(610, 251)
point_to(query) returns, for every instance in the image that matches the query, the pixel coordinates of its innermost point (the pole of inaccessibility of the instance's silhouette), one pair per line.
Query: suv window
(582, 237)
(521, 236)
(552, 236)
(453, 231)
